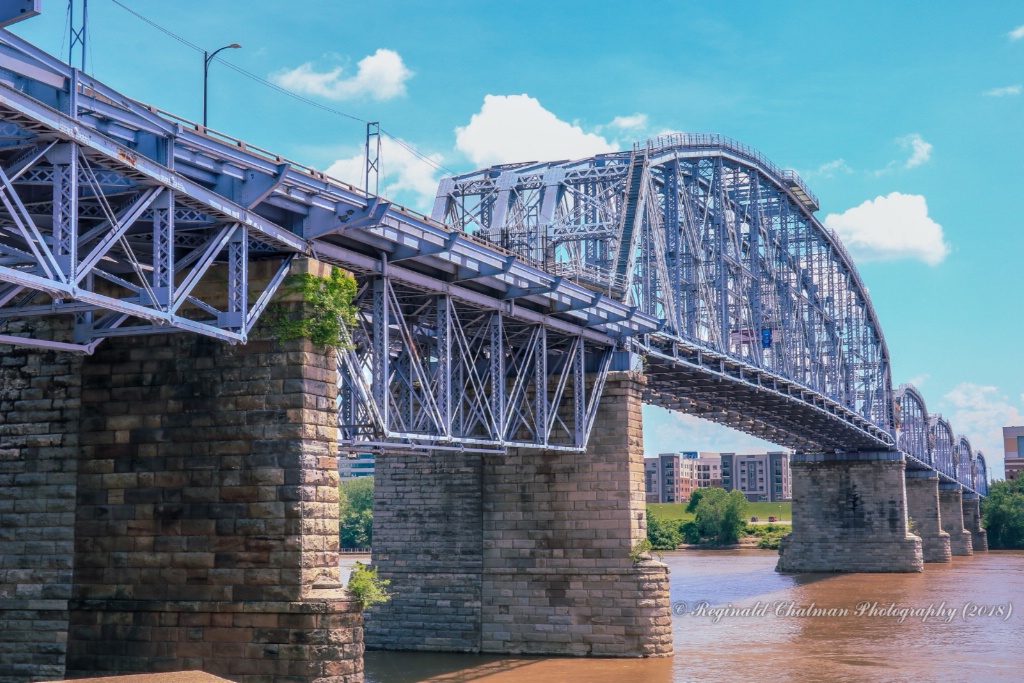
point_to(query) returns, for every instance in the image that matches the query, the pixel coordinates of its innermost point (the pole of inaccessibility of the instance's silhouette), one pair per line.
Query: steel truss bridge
(491, 324)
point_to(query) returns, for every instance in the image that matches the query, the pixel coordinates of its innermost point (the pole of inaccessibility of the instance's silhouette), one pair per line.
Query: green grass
(677, 511)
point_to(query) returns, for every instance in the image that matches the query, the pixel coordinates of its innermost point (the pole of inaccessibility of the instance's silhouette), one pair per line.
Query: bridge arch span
(912, 423)
(766, 324)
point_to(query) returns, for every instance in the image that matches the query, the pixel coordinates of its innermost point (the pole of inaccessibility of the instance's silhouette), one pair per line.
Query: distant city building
(709, 470)
(357, 465)
(1013, 447)
(761, 478)
(669, 478)
(673, 477)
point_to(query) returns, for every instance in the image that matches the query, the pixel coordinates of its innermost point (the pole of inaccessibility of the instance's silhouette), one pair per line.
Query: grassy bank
(677, 511)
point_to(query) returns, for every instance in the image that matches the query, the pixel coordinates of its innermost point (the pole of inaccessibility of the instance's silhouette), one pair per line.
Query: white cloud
(1017, 33)
(832, 168)
(980, 413)
(920, 151)
(1003, 92)
(517, 128)
(896, 226)
(401, 172)
(919, 380)
(636, 121)
(380, 76)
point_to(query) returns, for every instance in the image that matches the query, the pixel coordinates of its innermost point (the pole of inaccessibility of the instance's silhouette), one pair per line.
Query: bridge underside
(784, 415)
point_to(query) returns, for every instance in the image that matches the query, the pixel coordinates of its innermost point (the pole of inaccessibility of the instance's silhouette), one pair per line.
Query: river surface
(975, 631)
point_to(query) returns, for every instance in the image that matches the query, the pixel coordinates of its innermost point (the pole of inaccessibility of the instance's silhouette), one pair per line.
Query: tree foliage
(695, 497)
(355, 507)
(721, 515)
(1003, 514)
(663, 534)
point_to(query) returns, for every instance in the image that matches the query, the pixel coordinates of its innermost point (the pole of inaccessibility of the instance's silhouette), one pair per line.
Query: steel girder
(757, 298)
(114, 214)
(429, 371)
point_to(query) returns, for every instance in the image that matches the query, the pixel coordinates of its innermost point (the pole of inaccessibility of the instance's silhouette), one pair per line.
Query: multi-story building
(670, 478)
(709, 470)
(761, 478)
(357, 465)
(1013, 450)
(652, 479)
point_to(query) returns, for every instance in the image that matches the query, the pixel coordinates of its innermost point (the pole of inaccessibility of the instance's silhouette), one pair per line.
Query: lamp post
(207, 58)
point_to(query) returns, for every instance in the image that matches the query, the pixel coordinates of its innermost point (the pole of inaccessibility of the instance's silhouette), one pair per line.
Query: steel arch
(708, 235)
(912, 424)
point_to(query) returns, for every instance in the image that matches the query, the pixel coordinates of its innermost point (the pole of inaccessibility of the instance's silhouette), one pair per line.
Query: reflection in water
(869, 647)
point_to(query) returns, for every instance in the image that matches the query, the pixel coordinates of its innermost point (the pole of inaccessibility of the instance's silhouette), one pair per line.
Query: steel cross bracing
(120, 219)
(928, 442)
(768, 327)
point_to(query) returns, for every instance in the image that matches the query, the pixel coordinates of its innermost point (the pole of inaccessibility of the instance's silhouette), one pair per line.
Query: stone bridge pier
(923, 509)
(171, 503)
(972, 522)
(849, 515)
(524, 553)
(952, 513)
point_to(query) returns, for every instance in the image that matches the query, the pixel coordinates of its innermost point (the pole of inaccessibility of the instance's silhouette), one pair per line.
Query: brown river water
(975, 631)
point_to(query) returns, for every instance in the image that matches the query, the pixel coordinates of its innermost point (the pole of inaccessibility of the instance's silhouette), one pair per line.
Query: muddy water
(974, 633)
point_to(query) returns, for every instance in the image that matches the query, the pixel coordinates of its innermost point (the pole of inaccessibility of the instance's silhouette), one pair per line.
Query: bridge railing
(717, 141)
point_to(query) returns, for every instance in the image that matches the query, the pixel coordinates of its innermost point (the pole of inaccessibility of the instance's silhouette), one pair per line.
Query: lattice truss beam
(708, 236)
(427, 370)
(929, 443)
(119, 243)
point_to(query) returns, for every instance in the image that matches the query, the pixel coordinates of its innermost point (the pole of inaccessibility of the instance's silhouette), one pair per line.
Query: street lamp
(207, 58)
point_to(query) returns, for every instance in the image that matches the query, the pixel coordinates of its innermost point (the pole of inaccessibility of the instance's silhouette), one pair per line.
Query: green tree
(1003, 514)
(355, 508)
(663, 535)
(695, 500)
(720, 515)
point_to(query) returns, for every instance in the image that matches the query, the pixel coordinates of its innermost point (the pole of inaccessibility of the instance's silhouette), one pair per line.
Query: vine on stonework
(327, 315)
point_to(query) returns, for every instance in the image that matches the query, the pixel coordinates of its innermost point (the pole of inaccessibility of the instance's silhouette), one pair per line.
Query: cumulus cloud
(919, 380)
(920, 151)
(517, 128)
(1017, 33)
(634, 122)
(832, 169)
(380, 76)
(401, 172)
(980, 413)
(896, 226)
(1003, 92)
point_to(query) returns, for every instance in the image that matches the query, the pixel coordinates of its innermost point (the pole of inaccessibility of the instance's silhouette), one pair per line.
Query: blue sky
(905, 119)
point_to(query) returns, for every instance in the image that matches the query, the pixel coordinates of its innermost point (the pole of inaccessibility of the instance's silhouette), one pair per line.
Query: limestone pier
(923, 509)
(849, 515)
(524, 553)
(972, 522)
(952, 512)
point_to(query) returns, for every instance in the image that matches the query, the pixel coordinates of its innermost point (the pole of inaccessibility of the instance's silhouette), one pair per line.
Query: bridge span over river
(168, 480)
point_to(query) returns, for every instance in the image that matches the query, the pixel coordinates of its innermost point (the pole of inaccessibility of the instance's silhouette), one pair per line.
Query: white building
(357, 465)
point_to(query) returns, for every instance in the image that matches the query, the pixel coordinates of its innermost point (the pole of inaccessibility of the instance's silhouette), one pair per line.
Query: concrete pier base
(923, 509)
(972, 522)
(849, 515)
(952, 514)
(524, 553)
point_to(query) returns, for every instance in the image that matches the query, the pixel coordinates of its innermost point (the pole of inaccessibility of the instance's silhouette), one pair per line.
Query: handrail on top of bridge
(717, 141)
